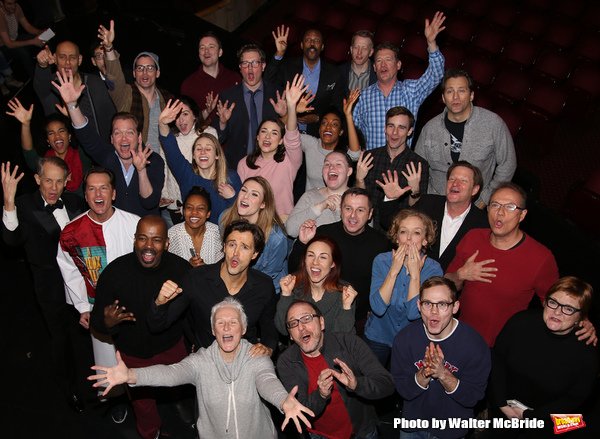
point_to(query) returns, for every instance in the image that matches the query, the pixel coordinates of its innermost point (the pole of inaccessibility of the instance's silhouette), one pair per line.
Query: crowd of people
(282, 215)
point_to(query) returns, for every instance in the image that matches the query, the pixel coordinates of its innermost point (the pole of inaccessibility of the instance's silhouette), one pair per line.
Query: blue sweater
(386, 320)
(187, 178)
(273, 259)
(466, 355)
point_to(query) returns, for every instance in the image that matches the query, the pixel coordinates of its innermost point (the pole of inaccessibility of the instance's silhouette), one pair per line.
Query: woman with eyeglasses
(539, 366)
(208, 168)
(397, 278)
(318, 282)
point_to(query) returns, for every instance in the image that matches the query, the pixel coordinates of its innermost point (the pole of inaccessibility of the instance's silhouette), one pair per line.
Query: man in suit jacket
(455, 214)
(358, 72)
(323, 79)
(35, 221)
(237, 125)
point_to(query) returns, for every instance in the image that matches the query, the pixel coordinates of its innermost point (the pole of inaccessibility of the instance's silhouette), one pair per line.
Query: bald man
(95, 102)
(124, 292)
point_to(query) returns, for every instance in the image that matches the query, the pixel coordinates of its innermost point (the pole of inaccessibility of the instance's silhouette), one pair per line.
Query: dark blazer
(38, 233)
(235, 135)
(345, 74)
(329, 93)
(433, 206)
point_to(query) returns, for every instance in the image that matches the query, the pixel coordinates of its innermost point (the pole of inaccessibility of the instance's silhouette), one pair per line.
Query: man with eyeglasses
(323, 79)
(336, 374)
(244, 106)
(94, 101)
(440, 365)
(144, 99)
(499, 271)
(139, 172)
(464, 131)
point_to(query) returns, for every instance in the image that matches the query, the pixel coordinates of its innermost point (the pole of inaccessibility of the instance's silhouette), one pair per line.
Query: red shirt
(334, 422)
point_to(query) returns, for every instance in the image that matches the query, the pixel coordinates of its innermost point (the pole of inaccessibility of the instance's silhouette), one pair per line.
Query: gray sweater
(303, 210)
(229, 395)
(487, 144)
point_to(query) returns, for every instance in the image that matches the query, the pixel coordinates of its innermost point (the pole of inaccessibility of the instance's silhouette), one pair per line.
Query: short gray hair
(229, 302)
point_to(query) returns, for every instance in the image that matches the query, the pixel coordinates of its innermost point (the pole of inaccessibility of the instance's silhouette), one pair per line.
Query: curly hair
(428, 223)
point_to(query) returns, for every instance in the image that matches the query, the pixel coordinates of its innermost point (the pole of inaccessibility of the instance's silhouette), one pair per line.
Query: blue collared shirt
(311, 78)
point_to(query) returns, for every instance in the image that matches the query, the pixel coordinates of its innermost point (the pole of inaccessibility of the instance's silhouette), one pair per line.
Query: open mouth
(148, 256)
(315, 272)
(234, 263)
(244, 204)
(194, 220)
(227, 338)
(99, 202)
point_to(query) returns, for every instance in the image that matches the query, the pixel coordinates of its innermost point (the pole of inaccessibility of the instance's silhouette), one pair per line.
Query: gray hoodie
(228, 394)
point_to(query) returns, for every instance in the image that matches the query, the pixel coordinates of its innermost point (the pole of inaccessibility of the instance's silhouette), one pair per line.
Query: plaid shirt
(369, 114)
(381, 164)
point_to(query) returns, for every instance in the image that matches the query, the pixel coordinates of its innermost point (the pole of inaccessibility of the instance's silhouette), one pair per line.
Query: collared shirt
(311, 78)
(369, 113)
(127, 173)
(258, 101)
(450, 226)
(359, 81)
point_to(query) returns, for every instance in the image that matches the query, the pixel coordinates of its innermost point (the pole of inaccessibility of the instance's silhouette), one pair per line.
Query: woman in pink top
(277, 157)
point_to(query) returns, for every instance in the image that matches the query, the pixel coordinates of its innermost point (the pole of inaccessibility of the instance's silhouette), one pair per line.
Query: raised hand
(308, 230)
(413, 176)
(19, 112)
(210, 104)
(325, 383)
(333, 202)
(363, 166)
(348, 296)
(477, 271)
(170, 112)
(140, 157)
(65, 86)
(391, 185)
(303, 104)
(168, 292)
(107, 36)
(224, 111)
(350, 101)
(295, 90)
(112, 376)
(287, 284)
(434, 27)
(115, 314)
(226, 190)
(346, 376)
(279, 105)
(10, 181)
(435, 361)
(280, 35)
(398, 256)
(414, 261)
(295, 411)
(45, 57)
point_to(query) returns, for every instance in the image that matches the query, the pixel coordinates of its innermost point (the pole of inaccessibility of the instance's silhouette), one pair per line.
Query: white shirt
(11, 220)
(450, 226)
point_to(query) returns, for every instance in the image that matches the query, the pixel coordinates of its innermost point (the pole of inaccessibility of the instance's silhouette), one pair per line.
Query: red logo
(564, 423)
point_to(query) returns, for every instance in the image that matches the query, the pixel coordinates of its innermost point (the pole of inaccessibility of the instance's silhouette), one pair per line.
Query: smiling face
(460, 187)
(355, 214)
(336, 171)
(145, 78)
(99, 195)
(209, 51)
(195, 212)
(361, 50)
(312, 45)
(68, 57)
(185, 120)
(505, 224)
(318, 261)
(205, 153)
(330, 131)
(458, 97)
(151, 241)
(58, 137)
(308, 336)
(239, 252)
(438, 322)
(51, 181)
(397, 131)
(228, 331)
(269, 138)
(558, 322)
(251, 75)
(386, 66)
(125, 138)
(251, 200)
(412, 231)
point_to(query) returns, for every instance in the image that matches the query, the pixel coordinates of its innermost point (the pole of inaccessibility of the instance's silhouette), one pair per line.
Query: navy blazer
(329, 93)
(235, 136)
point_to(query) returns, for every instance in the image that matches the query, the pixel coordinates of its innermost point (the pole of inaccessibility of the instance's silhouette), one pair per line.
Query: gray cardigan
(229, 395)
(487, 144)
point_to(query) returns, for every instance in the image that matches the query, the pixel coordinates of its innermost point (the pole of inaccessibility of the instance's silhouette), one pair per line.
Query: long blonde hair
(267, 217)
(220, 173)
